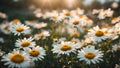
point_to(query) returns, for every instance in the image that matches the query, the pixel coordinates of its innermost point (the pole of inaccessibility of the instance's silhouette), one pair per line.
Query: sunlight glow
(71, 3)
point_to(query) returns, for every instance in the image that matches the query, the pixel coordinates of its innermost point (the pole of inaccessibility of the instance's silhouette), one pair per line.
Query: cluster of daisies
(72, 37)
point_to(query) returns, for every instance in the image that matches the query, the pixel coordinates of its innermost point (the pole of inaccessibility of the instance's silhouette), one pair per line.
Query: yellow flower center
(19, 29)
(15, 21)
(25, 43)
(17, 58)
(84, 44)
(115, 18)
(54, 17)
(75, 34)
(74, 41)
(40, 35)
(34, 53)
(81, 16)
(67, 14)
(88, 19)
(76, 22)
(99, 33)
(90, 55)
(65, 47)
(105, 14)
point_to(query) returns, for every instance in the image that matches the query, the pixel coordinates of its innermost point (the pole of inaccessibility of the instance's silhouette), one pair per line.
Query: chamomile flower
(39, 25)
(57, 41)
(65, 14)
(19, 29)
(30, 23)
(86, 41)
(77, 42)
(75, 21)
(78, 11)
(96, 11)
(116, 47)
(5, 28)
(46, 15)
(36, 53)
(105, 13)
(42, 35)
(98, 34)
(54, 15)
(85, 21)
(90, 55)
(15, 21)
(3, 15)
(16, 59)
(64, 48)
(25, 43)
(115, 20)
(113, 33)
(38, 13)
(73, 32)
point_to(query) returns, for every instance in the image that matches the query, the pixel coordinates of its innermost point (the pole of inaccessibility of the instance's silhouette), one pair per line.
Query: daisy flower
(5, 28)
(77, 42)
(65, 14)
(16, 59)
(105, 13)
(88, 21)
(64, 48)
(15, 21)
(19, 29)
(39, 25)
(90, 55)
(85, 21)
(3, 15)
(25, 43)
(78, 11)
(96, 11)
(46, 15)
(113, 33)
(42, 35)
(30, 23)
(75, 21)
(54, 15)
(115, 20)
(57, 41)
(38, 13)
(36, 53)
(73, 32)
(98, 34)
(116, 47)
(86, 41)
